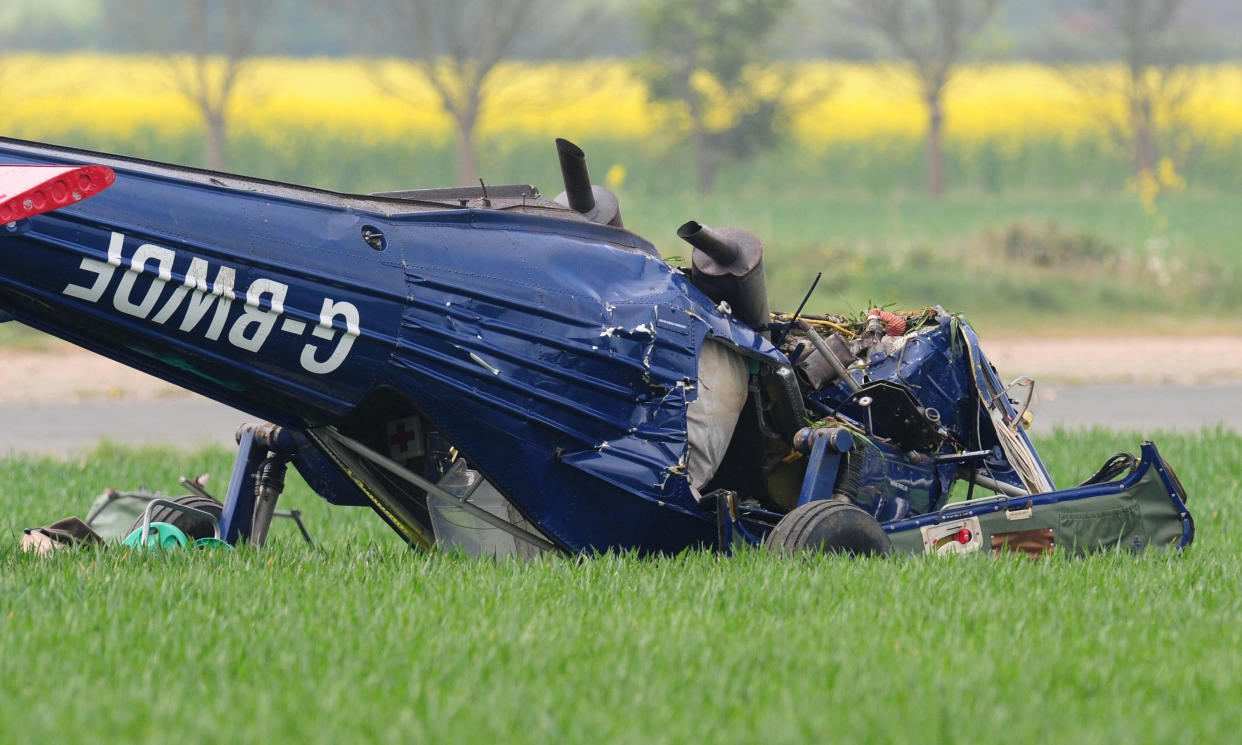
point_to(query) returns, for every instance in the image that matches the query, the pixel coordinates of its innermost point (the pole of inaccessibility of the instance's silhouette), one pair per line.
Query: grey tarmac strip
(189, 421)
(66, 429)
(1147, 409)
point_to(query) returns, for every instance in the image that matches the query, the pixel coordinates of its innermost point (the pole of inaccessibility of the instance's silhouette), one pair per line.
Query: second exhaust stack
(727, 264)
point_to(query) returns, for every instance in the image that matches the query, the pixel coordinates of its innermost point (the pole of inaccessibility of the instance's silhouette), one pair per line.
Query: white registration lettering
(202, 298)
(103, 271)
(199, 298)
(121, 299)
(253, 316)
(324, 330)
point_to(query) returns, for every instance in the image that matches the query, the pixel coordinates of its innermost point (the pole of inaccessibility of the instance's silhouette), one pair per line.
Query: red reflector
(963, 536)
(26, 191)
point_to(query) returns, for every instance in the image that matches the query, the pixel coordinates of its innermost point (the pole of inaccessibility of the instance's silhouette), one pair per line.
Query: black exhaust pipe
(710, 242)
(595, 203)
(577, 180)
(727, 264)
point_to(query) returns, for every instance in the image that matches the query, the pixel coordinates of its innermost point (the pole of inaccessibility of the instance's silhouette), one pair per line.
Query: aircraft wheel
(829, 526)
(193, 527)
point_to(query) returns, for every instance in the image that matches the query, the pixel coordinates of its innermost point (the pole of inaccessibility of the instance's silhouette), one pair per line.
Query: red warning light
(26, 191)
(963, 536)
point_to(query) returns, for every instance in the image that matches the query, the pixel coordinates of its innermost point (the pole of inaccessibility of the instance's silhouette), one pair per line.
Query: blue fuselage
(557, 354)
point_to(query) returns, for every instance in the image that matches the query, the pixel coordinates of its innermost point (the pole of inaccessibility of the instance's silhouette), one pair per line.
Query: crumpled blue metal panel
(936, 367)
(566, 365)
(891, 486)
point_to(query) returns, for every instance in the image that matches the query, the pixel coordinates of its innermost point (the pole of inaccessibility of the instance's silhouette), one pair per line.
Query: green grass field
(363, 641)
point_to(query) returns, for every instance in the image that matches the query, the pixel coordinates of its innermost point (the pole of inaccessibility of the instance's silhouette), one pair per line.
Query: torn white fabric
(712, 417)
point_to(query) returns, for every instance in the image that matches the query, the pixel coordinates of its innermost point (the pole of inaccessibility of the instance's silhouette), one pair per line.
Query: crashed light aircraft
(489, 368)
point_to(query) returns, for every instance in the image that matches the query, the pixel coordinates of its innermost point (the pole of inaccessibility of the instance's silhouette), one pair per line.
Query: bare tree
(705, 52)
(931, 36)
(206, 46)
(1156, 82)
(456, 47)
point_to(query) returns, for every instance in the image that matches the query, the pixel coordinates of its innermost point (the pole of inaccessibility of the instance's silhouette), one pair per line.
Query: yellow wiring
(785, 318)
(836, 327)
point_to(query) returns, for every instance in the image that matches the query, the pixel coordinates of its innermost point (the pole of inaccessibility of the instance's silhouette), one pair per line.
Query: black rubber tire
(193, 527)
(829, 526)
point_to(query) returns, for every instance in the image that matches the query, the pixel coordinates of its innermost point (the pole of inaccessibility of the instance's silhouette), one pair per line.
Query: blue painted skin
(557, 355)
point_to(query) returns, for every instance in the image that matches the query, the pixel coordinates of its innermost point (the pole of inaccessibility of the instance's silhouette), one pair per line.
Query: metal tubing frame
(146, 517)
(294, 515)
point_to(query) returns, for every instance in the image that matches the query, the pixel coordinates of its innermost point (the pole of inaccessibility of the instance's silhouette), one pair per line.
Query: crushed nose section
(26, 191)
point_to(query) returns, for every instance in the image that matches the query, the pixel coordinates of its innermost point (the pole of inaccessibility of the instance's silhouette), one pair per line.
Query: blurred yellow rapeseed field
(115, 96)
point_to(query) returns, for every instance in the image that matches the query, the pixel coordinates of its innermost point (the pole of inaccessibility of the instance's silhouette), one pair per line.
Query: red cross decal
(401, 437)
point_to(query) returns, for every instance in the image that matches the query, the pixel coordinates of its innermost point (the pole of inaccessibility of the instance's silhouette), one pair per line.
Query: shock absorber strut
(269, 482)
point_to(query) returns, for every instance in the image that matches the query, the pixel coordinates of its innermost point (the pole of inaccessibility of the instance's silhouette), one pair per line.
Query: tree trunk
(467, 163)
(935, 144)
(705, 162)
(217, 137)
(1146, 154)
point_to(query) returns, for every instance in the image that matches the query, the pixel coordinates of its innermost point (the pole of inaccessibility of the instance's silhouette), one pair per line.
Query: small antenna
(488, 202)
(798, 312)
